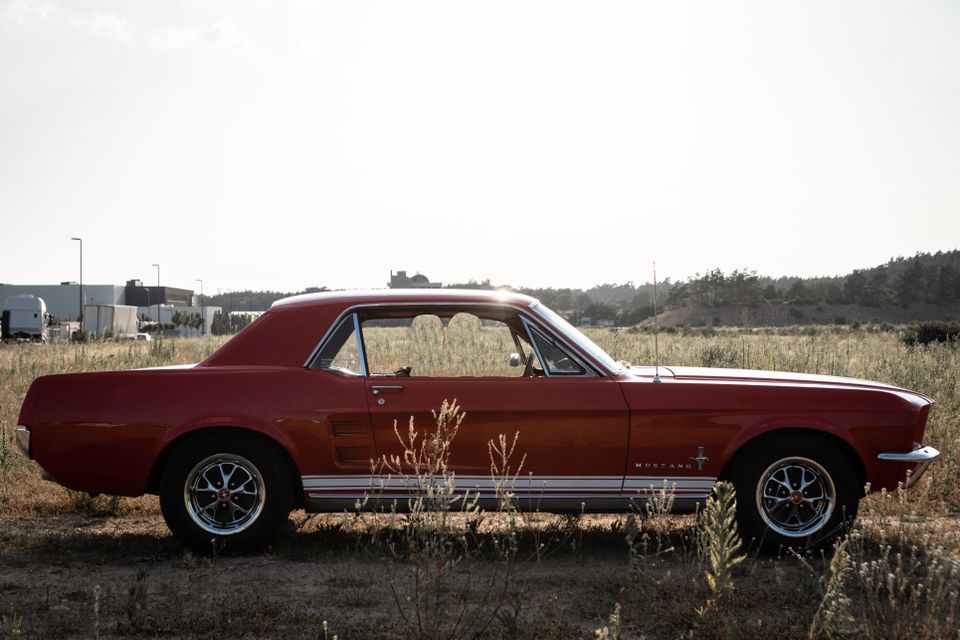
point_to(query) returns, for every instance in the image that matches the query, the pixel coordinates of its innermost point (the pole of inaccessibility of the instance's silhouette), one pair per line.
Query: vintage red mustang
(291, 411)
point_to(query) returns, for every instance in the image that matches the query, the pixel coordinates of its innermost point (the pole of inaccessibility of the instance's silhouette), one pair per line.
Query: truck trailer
(109, 320)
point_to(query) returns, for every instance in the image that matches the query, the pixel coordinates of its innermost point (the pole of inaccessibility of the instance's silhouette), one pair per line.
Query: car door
(571, 429)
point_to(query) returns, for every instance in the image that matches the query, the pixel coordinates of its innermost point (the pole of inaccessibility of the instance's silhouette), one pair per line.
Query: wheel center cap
(796, 497)
(223, 495)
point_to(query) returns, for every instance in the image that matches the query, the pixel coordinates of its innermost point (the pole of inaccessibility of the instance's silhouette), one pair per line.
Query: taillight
(921, 424)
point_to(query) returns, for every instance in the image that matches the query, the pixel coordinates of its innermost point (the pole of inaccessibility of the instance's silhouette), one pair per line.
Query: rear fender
(269, 435)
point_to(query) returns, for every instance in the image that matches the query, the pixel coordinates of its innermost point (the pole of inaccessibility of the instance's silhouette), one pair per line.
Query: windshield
(573, 335)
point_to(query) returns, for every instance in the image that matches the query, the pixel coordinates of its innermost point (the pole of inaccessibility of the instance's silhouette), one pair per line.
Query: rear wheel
(224, 492)
(795, 492)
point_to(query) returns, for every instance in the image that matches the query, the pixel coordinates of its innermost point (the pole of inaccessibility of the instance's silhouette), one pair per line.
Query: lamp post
(159, 298)
(147, 289)
(203, 315)
(80, 315)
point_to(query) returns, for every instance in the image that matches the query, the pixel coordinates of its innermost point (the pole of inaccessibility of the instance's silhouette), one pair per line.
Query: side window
(430, 345)
(341, 354)
(557, 361)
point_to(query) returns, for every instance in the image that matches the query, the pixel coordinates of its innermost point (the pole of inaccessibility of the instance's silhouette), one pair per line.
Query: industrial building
(63, 300)
(400, 280)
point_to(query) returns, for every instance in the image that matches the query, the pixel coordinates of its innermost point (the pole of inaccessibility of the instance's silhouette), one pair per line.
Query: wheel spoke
(782, 483)
(234, 507)
(804, 482)
(211, 509)
(227, 476)
(210, 485)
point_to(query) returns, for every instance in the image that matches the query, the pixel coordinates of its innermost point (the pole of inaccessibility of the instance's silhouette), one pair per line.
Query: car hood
(709, 374)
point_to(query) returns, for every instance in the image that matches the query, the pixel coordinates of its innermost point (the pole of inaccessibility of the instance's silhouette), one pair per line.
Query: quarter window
(341, 354)
(557, 361)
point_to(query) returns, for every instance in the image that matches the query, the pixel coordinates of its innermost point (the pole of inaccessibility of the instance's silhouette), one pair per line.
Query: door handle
(377, 389)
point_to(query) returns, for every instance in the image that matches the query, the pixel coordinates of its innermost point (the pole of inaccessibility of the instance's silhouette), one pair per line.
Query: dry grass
(72, 567)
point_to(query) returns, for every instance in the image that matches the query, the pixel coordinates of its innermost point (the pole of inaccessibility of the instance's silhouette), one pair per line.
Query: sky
(266, 145)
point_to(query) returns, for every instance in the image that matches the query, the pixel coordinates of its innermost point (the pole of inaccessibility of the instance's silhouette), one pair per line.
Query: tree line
(922, 278)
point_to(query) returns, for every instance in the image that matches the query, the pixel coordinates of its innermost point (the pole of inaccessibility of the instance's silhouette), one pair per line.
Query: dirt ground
(78, 576)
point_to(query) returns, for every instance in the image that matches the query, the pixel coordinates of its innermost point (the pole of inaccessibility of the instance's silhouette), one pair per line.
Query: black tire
(239, 517)
(775, 518)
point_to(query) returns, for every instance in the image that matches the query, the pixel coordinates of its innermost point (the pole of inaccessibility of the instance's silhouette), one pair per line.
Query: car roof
(379, 296)
(289, 331)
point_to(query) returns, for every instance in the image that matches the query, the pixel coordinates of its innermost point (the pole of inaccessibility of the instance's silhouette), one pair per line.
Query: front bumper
(23, 441)
(922, 457)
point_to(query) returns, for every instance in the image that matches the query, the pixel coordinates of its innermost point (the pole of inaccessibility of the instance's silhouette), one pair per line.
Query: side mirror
(515, 360)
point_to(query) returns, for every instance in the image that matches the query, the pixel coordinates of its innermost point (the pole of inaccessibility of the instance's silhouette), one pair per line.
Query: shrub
(932, 331)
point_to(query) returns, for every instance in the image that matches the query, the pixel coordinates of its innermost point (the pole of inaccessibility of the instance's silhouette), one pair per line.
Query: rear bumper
(922, 457)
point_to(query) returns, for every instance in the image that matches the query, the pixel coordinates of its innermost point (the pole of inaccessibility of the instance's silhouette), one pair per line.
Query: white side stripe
(353, 483)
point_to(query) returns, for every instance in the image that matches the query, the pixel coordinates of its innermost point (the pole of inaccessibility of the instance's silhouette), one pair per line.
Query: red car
(291, 411)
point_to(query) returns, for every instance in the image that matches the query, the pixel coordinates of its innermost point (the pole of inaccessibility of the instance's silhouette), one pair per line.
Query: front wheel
(224, 491)
(794, 493)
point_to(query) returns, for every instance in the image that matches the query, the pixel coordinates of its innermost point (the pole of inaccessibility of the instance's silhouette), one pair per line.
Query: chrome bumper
(922, 457)
(23, 441)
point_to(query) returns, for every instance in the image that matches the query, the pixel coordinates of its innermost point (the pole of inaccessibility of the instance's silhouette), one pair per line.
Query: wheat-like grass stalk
(721, 543)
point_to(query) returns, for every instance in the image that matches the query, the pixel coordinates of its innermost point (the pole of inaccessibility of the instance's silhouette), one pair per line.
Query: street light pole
(159, 298)
(203, 315)
(147, 289)
(80, 315)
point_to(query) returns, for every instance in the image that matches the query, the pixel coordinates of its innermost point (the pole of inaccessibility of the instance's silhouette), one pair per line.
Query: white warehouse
(63, 300)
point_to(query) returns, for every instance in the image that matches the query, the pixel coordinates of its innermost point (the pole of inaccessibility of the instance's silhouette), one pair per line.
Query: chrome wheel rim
(795, 497)
(224, 494)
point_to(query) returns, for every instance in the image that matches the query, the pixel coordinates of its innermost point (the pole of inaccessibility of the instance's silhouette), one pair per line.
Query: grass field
(72, 566)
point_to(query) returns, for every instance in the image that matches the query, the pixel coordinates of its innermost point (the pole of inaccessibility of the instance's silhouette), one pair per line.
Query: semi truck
(24, 317)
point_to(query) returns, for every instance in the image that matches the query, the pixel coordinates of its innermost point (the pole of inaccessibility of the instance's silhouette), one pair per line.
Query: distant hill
(922, 287)
(778, 313)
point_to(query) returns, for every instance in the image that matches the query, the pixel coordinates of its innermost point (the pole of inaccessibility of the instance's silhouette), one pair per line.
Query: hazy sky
(289, 144)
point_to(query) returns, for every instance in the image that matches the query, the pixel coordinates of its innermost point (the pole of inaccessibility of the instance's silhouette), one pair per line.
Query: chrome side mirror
(515, 360)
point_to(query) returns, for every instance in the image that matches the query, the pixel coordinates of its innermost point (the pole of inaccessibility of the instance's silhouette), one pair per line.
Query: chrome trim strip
(487, 476)
(361, 348)
(924, 454)
(483, 495)
(23, 441)
(534, 346)
(572, 503)
(679, 485)
(536, 320)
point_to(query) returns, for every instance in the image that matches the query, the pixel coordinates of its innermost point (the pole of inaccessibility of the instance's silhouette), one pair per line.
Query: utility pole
(159, 298)
(80, 315)
(203, 315)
